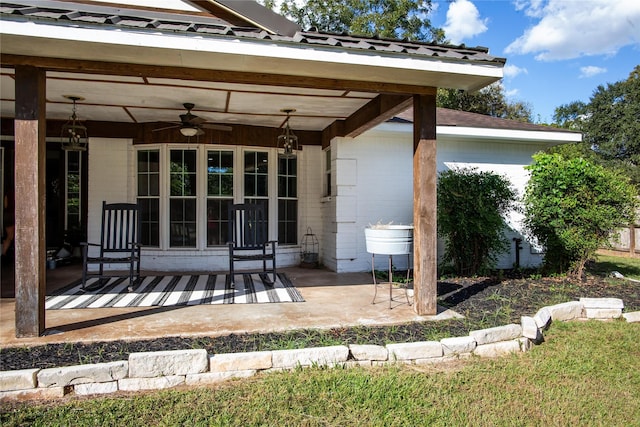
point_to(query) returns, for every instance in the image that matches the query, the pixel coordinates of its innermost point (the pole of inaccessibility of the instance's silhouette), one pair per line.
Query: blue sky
(557, 51)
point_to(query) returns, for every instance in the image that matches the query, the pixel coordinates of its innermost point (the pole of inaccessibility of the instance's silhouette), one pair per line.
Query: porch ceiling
(138, 100)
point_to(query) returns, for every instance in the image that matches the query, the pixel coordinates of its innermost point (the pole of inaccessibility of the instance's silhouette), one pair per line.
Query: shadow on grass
(605, 265)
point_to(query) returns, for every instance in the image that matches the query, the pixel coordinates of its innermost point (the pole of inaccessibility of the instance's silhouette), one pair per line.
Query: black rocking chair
(119, 243)
(248, 231)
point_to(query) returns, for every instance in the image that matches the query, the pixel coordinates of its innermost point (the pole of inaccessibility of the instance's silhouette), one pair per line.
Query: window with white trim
(184, 193)
(148, 175)
(219, 195)
(327, 172)
(287, 201)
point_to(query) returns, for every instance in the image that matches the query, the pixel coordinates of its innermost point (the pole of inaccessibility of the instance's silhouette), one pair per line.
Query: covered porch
(136, 68)
(332, 300)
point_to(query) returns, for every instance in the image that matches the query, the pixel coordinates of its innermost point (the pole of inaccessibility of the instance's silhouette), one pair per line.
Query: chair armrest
(89, 244)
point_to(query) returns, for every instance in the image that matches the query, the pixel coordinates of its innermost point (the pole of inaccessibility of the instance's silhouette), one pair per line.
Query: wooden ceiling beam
(200, 74)
(378, 110)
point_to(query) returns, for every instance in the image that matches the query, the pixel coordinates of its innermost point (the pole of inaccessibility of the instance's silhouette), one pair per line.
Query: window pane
(262, 186)
(217, 221)
(148, 191)
(149, 216)
(255, 174)
(143, 185)
(182, 223)
(182, 171)
(220, 173)
(287, 221)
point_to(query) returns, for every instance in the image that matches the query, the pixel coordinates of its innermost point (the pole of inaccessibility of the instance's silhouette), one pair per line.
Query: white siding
(382, 162)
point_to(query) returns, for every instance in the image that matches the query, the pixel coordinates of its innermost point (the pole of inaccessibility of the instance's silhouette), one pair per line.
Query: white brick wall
(380, 164)
(110, 179)
(372, 183)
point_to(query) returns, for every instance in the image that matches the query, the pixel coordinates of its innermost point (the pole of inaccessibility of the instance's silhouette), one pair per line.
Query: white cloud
(590, 71)
(511, 71)
(571, 29)
(463, 21)
(512, 92)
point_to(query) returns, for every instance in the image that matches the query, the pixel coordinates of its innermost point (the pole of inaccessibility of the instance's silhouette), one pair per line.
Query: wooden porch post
(30, 160)
(425, 242)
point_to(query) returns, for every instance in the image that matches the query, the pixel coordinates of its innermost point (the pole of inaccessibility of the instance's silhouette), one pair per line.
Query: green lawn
(575, 378)
(605, 264)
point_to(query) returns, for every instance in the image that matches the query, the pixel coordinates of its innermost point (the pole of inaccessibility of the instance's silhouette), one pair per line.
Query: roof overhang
(140, 66)
(40, 39)
(480, 135)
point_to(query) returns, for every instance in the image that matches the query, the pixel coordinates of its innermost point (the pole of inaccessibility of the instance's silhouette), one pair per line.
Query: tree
(490, 101)
(471, 207)
(613, 127)
(611, 124)
(571, 116)
(573, 206)
(396, 19)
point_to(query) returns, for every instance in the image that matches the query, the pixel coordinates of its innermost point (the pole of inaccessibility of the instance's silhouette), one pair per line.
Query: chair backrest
(120, 227)
(248, 226)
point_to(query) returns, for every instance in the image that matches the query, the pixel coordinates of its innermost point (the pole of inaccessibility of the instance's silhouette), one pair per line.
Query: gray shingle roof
(140, 19)
(447, 117)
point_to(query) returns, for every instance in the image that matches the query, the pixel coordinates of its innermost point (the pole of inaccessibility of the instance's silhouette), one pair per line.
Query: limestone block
(156, 383)
(168, 363)
(497, 349)
(566, 311)
(368, 352)
(96, 388)
(18, 380)
(240, 361)
(613, 303)
(216, 377)
(81, 374)
(452, 358)
(33, 393)
(415, 350)
(602, 313)
(543, 318)
(458, 345)
(525, 344)
(499, 333)
(632, 317)
(310, 356)
(530, 329)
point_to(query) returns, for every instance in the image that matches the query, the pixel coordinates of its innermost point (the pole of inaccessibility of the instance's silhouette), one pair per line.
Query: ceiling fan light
(188, 131)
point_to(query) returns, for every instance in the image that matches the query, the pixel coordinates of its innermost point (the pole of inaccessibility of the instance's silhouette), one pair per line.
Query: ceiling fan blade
(217, 127)
(165, 128)
(191, 119)
(200, 132)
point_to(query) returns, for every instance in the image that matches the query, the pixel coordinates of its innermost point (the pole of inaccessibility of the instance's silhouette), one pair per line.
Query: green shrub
(471, 206)
(573, 206)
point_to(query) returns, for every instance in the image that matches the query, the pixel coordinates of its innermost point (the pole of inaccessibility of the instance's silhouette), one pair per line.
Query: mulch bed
(485, 302)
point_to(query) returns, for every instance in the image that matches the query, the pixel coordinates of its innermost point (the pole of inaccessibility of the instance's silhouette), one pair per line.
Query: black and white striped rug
(166, 291)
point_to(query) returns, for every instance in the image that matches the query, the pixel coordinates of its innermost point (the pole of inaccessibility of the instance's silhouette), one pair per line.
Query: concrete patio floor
(331, 300)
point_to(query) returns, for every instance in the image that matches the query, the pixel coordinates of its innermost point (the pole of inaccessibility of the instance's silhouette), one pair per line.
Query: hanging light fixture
(188, 130)
(288, 142)
(74, 133)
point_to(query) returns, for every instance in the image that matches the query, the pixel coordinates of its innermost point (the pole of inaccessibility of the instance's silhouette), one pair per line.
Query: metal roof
(141, 19)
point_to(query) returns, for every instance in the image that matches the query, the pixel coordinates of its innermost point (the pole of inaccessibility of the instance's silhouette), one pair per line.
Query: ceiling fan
(192, 125)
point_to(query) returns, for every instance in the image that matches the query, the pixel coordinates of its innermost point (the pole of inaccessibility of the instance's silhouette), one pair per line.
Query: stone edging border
(165, 369)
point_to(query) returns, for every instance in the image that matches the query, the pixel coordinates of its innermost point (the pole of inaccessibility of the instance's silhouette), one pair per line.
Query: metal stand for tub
(390, 283)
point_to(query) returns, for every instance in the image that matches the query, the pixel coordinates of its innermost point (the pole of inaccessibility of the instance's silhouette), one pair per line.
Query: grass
(575, 378)
(605, 264)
